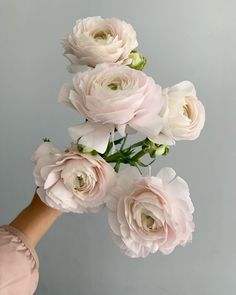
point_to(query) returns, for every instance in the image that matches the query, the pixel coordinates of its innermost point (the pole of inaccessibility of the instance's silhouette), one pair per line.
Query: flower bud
(148, 145)
(162, 150)
(86, 150)
(138, 61)
(46, 139)
(154, 149)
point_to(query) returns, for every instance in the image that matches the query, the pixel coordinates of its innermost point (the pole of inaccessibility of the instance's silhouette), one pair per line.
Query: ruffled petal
(64, 94)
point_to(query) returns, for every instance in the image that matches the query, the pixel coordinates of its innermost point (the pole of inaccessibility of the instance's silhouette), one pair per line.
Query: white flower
(183, 114)
(71, 181)
(148, 214)
(113, 96)
(96, 40)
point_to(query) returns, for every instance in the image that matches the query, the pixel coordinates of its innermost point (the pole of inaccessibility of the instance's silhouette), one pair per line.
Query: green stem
(137, 144)
(139, 155)
(145, 165)
(124, 141)
(109, 147)
(117, 167)
(136, 165)
(112, 158)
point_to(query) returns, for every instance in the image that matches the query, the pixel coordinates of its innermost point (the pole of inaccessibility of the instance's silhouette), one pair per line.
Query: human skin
(35, 220)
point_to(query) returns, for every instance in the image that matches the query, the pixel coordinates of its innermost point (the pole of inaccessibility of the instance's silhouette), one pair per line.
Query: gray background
(185, 39)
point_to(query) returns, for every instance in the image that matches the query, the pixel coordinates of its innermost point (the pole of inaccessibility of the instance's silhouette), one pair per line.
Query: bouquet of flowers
(117, 99)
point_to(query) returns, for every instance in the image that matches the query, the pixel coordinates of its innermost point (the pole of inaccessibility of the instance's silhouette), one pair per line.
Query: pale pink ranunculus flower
(96, 40)
(183, 114)
(113, 96)
(150, 214)
(71, 181)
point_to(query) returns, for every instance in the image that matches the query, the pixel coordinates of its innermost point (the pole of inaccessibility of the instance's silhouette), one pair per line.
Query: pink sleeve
(18, 263)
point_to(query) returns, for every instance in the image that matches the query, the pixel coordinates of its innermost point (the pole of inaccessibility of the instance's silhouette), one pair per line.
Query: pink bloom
(72, 181)
(183, 114)
(148, 214)
(113, 96)
(96, 40)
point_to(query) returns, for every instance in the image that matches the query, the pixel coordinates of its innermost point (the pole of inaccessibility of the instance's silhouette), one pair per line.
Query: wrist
(35, 220)
(39, 206)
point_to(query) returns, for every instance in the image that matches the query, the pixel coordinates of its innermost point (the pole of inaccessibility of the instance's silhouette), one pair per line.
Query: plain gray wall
(184, 39)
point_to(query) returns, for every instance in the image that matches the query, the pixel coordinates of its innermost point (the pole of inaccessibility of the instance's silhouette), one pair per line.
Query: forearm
(35, 220)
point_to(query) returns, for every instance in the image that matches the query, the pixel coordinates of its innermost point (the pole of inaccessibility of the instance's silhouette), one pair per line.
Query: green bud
(138, 61)
(161, 150)
(80, 147)
(86, 150)
(148, 145)
(94, 153)
(154, 149)
(46, 139)
(166, 151)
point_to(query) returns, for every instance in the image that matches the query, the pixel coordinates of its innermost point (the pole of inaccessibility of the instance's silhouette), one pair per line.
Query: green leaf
(118, 141)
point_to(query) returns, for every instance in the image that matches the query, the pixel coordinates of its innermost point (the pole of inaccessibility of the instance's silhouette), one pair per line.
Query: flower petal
(149, 125)
(93, 135)
(167, 175)
(64, 94)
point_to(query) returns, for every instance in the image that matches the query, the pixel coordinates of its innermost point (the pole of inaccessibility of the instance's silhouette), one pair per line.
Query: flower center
(115, 85)
(79, 182)
(101, 35)
(186, 111)
(148, 222)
